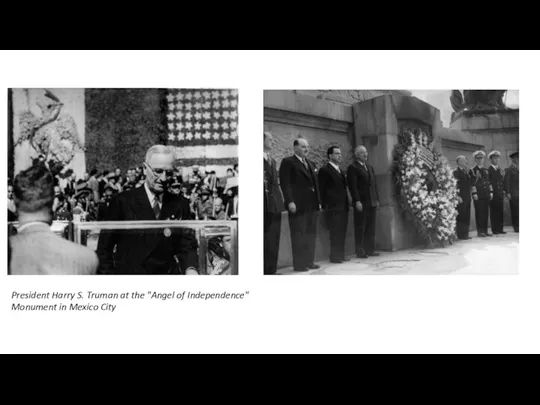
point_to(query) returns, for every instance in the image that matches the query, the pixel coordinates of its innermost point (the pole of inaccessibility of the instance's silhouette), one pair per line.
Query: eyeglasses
(159, 172)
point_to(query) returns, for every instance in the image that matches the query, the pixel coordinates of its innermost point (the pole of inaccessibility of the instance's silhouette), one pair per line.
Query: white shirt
(152, 196)
(301, 159)
(362, 164)
(335, 166)
(495, 167)
(265, 155)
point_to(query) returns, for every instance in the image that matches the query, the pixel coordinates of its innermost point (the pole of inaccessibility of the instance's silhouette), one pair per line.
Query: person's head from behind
(93, 173)
(159, 167)
(213, 174)
(33, 191)
(301, 147)
(230, 172)
(334, 155)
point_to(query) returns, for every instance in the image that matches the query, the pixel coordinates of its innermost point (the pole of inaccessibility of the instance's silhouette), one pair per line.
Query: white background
(334, 314)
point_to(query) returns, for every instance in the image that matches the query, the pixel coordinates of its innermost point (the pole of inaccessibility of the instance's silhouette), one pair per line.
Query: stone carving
(477, 100)
(351, 96)
(53, 135)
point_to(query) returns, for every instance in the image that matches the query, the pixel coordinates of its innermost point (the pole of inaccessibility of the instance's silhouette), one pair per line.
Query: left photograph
(122, 181)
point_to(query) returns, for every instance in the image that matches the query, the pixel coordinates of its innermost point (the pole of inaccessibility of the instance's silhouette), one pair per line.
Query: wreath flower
(428, 190)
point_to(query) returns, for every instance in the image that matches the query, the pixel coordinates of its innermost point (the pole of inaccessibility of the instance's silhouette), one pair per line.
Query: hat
(494, 153)
(514, 155)
(479, 153)
(176, 182)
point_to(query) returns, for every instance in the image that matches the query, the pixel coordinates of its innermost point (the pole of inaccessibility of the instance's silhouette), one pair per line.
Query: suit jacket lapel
(169, 207)
(300, 165)
(335, 173)
(143, 208)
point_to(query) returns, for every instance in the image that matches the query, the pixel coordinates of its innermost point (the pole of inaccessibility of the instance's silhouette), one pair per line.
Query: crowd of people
(88, 198)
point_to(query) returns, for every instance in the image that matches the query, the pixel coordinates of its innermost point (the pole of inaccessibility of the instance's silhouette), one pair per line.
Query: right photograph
(391, 182)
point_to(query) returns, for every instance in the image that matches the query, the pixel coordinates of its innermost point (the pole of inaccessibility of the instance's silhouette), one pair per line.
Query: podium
(217, 240)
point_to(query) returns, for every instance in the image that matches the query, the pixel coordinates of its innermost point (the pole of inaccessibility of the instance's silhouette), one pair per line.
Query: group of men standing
(487, 188)
(303, 190)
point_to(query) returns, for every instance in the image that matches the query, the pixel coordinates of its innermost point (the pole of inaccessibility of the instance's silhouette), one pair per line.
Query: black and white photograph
(122, 181)
(391, 182)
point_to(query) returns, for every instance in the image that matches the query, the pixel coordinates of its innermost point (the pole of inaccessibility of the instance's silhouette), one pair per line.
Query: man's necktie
(305, 164)
(156, 208)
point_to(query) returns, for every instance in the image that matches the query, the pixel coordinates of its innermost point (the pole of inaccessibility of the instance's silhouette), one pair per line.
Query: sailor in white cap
(464, 183)
(511, 183)
(482, 193)
(496, 178)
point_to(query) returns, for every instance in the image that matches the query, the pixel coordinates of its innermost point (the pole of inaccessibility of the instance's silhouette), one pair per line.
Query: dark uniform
(464, 184)
(496, 178)
(273, 206)
(481, 187)
(511, 185)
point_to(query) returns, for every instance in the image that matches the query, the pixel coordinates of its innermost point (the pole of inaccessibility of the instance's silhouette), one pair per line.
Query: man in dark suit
(298, 181)
(365, 197)
(273, 206)
(335, 203)
(496, 178)
(464, 197)
(511, 186)
(154, 251)
(482, 193)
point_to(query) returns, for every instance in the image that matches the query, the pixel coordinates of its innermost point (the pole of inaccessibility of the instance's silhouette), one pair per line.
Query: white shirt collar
(335, 166)
(152, 196)
(265, 156)
(29, 224)
(495, 167)
(362, 163)
(299, 158)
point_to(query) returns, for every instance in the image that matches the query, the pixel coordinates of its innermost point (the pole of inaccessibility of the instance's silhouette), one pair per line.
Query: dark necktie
(305, 164)
(156, 208)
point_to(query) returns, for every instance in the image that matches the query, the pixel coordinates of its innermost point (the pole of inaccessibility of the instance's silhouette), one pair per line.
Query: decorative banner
(202, 117)
(203, 124)
(426, 156)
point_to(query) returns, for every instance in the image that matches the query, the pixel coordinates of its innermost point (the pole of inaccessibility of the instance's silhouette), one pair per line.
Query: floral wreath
(428, 189)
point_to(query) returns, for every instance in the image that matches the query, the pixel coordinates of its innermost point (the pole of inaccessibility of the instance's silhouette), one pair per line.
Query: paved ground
(495, 255)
